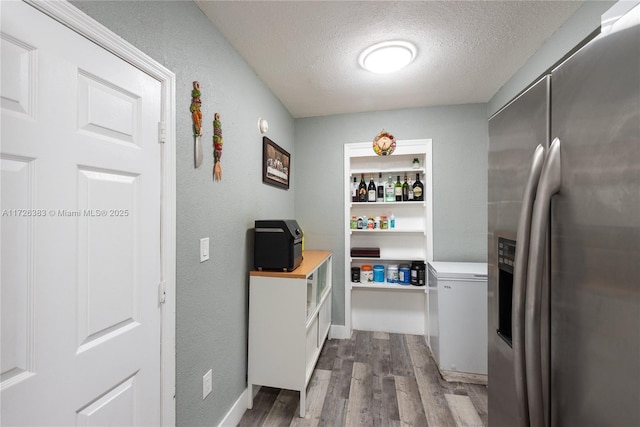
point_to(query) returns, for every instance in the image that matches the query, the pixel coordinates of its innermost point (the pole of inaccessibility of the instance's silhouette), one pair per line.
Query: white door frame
(81, 23)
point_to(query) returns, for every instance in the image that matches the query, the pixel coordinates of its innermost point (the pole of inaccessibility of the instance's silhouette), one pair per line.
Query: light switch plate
(204, 249)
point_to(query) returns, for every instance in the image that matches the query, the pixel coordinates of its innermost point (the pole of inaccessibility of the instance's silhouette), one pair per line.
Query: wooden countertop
(310, 261)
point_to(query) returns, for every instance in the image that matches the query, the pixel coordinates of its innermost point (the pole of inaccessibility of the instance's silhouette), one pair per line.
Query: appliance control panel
(506, 254)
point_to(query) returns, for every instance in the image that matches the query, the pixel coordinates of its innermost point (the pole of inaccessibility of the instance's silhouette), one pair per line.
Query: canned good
(392, 273)
(378, 273)
(384, 222)
(366, 274)
(370, 223)
(354, 222)
(418, 273)
(355, 274)
(404, 274)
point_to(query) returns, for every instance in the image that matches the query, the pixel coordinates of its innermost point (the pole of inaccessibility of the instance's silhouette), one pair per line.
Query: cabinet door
(312, 294)
(324, 320)
(312, 347)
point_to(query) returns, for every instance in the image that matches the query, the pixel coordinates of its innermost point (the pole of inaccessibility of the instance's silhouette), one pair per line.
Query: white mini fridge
(457, 321)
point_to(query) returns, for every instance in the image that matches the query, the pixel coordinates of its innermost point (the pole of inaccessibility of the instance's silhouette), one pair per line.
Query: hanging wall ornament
(384, 143)
(217, 147)
(196, 116)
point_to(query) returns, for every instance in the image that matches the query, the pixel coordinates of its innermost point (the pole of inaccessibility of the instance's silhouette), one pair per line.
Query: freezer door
(514, 133)
(459, 270)
(595, 228)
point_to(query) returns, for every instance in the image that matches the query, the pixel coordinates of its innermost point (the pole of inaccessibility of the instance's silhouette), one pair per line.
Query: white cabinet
(289, 320)
(388, 307)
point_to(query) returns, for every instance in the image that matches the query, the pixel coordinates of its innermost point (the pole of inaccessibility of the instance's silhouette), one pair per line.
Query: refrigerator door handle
(549, 185)
(519, 281)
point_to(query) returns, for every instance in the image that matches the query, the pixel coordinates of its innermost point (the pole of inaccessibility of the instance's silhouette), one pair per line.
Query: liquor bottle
(371, 190)
(418, 189)
(411, 198)
(389, 191)
(398, 190)
(362, 190)
(354, 190)
(405, 189)
(380, 195)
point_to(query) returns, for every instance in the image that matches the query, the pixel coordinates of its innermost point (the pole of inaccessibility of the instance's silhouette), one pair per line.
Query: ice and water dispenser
(506, 256)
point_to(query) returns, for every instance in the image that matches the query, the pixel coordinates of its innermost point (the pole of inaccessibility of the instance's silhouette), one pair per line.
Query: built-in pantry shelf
(383, 306)
(387, 286)
(399, 204)
(397, 171)
(387, 230)
(386, 259)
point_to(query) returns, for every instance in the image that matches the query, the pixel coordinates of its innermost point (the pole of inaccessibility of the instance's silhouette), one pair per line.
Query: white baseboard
(339, 332)
(236, 412)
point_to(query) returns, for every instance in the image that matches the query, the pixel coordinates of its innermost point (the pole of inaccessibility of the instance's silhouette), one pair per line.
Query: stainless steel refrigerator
(564, 242)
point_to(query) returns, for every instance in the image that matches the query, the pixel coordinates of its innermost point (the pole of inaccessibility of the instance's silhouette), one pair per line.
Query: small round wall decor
(384, 143)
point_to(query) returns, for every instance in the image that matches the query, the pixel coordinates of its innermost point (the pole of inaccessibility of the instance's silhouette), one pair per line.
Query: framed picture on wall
(276, 164)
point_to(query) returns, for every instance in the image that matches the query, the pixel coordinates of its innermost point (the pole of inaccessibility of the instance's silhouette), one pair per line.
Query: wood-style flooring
(374, 379)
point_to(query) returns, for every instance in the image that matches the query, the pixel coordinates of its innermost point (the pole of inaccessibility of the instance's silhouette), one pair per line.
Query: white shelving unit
(388, 307)
(289, 321)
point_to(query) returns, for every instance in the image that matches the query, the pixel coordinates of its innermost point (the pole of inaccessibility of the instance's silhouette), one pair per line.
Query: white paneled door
(80, 201)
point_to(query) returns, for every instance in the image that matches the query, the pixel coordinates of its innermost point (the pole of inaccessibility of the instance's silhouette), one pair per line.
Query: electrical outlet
(204, 249)
(207, 384)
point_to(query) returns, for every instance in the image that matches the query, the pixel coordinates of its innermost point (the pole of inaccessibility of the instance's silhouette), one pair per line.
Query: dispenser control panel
(506, 254)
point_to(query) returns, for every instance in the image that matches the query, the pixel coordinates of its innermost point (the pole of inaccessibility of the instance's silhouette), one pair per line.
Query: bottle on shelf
(371, 190)
(405, 189)
(380, 189)
(398, 190)
(418, 189)
(362, 190)
(389, 191)
(354, 190)
(411, 198)
(392, 221)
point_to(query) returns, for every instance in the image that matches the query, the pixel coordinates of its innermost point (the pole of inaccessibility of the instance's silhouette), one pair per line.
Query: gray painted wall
(580, 25)
(460, 142)
(212, 297)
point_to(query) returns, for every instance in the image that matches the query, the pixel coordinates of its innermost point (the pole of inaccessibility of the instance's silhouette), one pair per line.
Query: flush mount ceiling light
(387, 57)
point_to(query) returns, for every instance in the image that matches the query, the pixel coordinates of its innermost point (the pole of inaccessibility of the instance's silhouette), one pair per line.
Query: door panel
(107, 111)
(595, 292)
(80, 273)
(17, 301)
(514, 133)
(116, 407)
(107, 254)
(18, 79)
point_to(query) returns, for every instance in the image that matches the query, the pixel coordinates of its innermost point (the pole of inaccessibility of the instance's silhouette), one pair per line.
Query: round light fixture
(387, 57)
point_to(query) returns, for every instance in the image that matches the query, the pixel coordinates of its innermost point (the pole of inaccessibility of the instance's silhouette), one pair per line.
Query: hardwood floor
(374, 379)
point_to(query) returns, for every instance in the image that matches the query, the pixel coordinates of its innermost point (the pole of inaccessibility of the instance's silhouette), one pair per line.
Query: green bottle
(398, 189)
(405, 189)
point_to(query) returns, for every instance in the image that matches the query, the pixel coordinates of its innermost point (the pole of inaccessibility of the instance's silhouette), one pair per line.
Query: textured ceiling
(307, 51)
